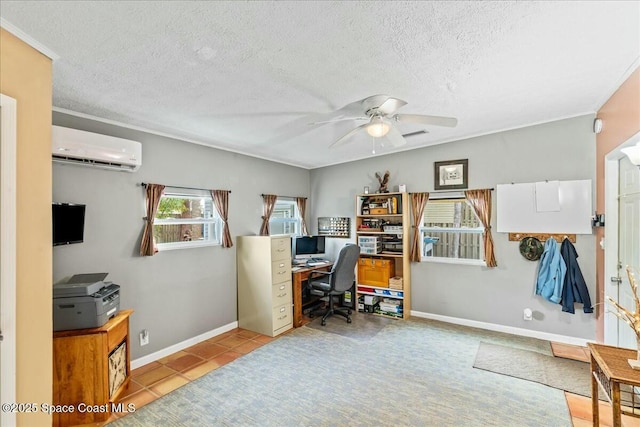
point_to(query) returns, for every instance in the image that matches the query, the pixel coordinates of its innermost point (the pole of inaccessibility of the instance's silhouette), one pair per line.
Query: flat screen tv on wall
(68, 223)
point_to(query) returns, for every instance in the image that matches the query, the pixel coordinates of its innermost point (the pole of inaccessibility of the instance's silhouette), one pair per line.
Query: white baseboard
(144, 360)
(502, 328)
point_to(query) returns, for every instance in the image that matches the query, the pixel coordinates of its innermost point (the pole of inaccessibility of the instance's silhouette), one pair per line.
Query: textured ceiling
(250, 76)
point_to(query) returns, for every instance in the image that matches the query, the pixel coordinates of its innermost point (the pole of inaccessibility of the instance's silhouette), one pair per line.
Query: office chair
(336, 281)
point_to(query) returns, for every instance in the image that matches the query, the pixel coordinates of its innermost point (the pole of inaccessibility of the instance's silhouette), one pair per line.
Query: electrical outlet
(528, 314)
(144, 337)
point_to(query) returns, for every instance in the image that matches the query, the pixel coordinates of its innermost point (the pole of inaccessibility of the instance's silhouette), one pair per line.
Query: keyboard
(315, 263)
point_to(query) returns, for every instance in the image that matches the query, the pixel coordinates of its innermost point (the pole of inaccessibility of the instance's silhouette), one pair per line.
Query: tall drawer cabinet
(264, 284)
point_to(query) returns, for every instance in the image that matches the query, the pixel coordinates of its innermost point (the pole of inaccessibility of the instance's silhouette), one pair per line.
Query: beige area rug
(565, 374)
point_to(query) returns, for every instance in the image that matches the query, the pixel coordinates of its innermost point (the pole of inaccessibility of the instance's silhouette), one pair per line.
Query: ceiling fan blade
(374, 101)
(427, 120)
(343, 139)
(340, 119)
(352, 109)
(395, 137)
(391, 105)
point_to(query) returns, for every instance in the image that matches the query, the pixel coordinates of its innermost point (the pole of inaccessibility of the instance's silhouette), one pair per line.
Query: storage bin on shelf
(369, 244)
(375, 271)
(392, 228)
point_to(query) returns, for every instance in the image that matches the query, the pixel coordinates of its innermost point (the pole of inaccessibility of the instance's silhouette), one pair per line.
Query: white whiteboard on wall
(517, 209)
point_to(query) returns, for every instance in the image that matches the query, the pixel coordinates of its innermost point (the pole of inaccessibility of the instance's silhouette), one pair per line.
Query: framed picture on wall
(451, 175)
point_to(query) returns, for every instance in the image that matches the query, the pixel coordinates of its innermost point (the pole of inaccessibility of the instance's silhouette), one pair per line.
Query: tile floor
(158, 378)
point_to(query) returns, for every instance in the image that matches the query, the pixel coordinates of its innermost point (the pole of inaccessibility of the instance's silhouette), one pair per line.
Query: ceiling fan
(379, 111)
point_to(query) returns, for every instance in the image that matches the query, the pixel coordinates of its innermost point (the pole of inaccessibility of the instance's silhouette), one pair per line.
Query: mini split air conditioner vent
(91, 149)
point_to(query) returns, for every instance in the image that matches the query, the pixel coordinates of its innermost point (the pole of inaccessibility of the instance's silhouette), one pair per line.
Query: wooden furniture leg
(615, 403)
(595, 406)
(297, 300)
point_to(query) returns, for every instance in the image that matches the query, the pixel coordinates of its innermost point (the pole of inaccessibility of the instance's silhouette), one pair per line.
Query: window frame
(296, 220)
(215, 223)
(424, 230)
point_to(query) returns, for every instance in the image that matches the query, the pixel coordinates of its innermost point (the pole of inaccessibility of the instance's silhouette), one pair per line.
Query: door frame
(8, 218)
(611, 229)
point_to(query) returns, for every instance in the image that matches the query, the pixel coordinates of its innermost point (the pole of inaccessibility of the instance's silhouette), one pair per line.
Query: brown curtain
(269, 204)
(418, 202)
(302, 207)
(154, 193)
(221, 202)
(480, 201)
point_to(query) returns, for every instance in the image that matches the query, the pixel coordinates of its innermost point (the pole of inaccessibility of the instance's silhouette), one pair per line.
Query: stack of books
(390, 306)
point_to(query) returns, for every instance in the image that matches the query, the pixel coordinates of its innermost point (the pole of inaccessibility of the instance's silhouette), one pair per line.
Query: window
(285, 218)
(451, 232)
(186, 220)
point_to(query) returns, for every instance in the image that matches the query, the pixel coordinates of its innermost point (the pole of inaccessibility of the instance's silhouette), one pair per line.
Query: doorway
(622, 240)
(8, 144)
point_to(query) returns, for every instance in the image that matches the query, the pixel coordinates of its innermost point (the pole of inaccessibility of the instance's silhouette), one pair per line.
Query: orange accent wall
(26, 76)
(621, 119)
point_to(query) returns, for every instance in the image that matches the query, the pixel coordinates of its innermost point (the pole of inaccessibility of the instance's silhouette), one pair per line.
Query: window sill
(171, 247)
(461, 261)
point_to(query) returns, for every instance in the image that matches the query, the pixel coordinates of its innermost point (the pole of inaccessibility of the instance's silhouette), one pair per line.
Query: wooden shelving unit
(382, 232)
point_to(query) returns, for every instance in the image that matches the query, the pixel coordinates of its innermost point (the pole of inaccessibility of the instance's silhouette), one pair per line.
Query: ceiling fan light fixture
(377, 128)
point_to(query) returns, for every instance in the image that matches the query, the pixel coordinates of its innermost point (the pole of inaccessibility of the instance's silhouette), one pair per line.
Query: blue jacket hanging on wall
(575, 288)
(551, 272)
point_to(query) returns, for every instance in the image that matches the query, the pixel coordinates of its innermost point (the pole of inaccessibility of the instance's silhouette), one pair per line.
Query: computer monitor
(306, 247)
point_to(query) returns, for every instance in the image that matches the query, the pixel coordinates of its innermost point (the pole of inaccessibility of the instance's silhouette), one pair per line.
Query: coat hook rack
(559, 237)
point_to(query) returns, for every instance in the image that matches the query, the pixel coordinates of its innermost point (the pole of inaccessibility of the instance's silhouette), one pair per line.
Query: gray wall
(176, 294)
(561, 150)
(180, 294)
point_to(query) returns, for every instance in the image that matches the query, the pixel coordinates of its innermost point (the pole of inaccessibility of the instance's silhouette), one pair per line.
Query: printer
(84, 301)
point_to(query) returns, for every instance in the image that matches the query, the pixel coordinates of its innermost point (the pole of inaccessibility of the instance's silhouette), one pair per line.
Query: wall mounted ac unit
(93, 149)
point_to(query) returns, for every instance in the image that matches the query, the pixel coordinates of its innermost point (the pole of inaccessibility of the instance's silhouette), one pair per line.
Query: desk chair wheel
(348, 319)
(324, 322)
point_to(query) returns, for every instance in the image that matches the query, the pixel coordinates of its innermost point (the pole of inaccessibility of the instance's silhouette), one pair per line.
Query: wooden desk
(299, 277)
(610, 369)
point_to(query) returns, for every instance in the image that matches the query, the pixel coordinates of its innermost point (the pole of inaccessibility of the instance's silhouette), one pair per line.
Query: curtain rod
(144, 184)
(286, 197)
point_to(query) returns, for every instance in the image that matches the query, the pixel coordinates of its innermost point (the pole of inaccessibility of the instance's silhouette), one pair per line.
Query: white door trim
(8, 182)
(611, 172)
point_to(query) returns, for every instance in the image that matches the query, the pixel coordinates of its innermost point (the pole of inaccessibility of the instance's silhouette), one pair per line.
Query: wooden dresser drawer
(375, 271)
(282, 316)
(117, 334)
(281, 249)
(281, 294)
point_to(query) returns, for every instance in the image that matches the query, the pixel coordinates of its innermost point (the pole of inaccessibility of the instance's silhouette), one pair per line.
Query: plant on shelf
(631, 318)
